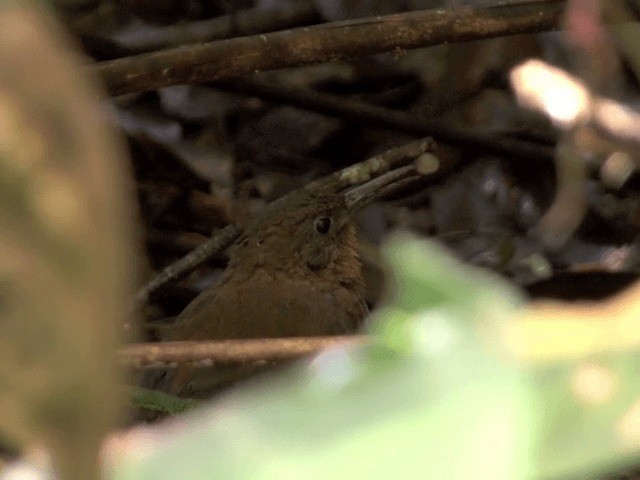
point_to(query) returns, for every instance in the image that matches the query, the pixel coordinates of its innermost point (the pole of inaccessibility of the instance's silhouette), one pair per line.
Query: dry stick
(331, 41)
(374, 116)
(222, 240)
(398, 186)
(375, 166)
(362, 195)
(337, 181)
(246, 22)
(207, 353)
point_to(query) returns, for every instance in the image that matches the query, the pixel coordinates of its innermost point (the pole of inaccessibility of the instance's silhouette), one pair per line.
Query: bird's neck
(344, 269)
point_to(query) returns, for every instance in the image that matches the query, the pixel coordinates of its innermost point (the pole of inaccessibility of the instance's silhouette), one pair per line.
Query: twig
(207, 353)
(591, 123)
(375, 166)
(362, 195)
(372, 115)
(569, 206)
(332, 41)
(222, 240)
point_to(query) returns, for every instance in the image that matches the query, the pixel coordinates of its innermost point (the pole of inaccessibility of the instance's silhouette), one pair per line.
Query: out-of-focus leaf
(426, 398)
(66, 266)
(589, 414)
(160, 402)
(457, 382)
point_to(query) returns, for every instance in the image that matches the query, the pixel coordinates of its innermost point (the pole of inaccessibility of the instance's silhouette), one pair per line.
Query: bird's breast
(267, 305)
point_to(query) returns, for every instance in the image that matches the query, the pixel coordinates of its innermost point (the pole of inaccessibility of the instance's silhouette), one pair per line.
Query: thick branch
(332, 41)
(206, 353)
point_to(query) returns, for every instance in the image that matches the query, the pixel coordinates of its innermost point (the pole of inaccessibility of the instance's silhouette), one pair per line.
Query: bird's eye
(322, 225)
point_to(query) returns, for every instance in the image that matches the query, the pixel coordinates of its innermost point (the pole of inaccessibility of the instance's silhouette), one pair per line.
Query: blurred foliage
(157, 401)
(437, 393)
(66, 270)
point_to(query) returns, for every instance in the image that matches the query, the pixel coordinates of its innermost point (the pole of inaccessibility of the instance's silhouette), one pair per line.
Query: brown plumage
(293, 272)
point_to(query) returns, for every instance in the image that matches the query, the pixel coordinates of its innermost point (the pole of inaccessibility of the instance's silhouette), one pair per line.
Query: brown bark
(226, 59)
(149, 355)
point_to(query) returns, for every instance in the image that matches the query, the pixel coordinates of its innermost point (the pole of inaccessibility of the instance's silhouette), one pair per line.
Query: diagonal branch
(226, 59)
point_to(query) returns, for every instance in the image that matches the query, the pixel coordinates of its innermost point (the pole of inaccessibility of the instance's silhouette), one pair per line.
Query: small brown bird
(294, 271)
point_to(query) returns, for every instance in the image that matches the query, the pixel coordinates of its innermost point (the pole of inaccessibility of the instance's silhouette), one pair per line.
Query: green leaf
(590, 415)
(434, 394)
(425, 398)
(157, 401)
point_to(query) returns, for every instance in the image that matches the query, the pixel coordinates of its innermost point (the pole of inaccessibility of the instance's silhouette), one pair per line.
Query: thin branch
(570, 205)
(362, 195)
(379, 164)
(193, 259)
(207, 353)
(372, 115)
(331, 41)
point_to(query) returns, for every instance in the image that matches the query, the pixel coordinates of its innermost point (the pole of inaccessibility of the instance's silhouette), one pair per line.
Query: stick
(226, 59)
(207, 353)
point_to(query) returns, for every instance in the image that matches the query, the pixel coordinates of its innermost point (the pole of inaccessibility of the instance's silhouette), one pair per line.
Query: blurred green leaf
(590, 415)
(67, 264)
(435, 394)
(425, 398)
(157, 401)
